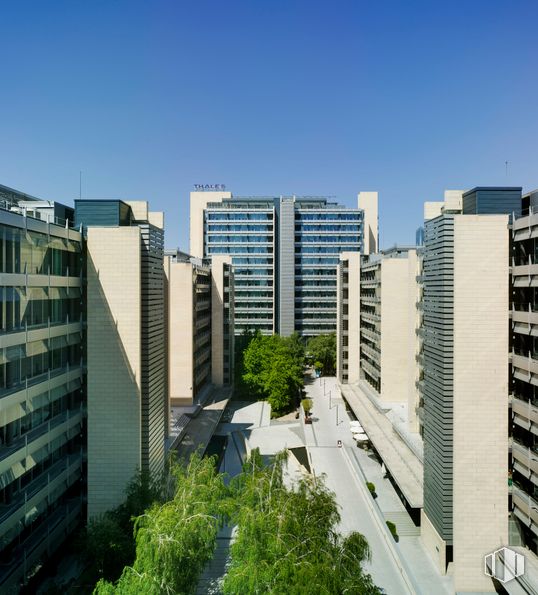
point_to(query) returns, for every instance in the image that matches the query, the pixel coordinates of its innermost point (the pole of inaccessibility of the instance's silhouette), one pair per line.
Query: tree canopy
(273, 369)
(287, 541)
(286, 536)
(323, 349)
(175, 539)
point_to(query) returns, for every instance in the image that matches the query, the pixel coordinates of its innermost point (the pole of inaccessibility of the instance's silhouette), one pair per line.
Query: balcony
(526, 460)
(524, 318)
(525, 272)
(370, 316)
(526, 508)
(373, 335)
(371, 369)
(525, 412)
(371, 351)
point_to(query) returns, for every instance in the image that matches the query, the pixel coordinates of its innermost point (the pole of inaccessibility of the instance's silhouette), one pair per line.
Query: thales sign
(209, 187)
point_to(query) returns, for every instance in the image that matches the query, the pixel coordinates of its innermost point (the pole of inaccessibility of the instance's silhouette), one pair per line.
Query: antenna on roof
(506, 166)
(80, 184)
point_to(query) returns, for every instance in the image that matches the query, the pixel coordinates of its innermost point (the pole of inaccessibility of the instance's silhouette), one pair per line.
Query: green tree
(107, 543)
(273, 370)
(323, 349)
(286, 540)
(175, 539)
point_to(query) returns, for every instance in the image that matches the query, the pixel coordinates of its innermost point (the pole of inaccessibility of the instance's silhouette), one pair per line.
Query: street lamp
(330, 400)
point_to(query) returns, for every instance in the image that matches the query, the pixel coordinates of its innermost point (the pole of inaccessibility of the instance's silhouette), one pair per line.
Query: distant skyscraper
(285, 253)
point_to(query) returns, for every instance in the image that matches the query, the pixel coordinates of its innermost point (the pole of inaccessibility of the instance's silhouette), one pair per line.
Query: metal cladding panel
(492, 201)
(101, 213)
(438, 327)
(286, 276)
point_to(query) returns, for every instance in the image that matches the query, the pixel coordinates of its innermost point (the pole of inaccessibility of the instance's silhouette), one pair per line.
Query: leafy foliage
(287, 542)
(392, 529)
(273, 369)
(107, 543)
(323, 350)
(175, 539)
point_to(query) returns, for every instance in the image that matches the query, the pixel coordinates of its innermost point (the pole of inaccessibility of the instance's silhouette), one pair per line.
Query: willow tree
(287, 540)
(176, 539)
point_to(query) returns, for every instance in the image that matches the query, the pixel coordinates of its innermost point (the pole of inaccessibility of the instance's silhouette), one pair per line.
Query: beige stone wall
(480, 395)
(432, 209)
(354, 316)
(433, 542)
(180, 331)
(139, 208)
(412, 338)
(114, 364)
(217, 318)
(453, 200)
(394, 329)
(156, 218)
(198, 202)
(369, 202)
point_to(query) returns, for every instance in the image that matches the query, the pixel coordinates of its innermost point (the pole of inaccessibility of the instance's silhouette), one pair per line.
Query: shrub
(371, 487)
(307, 405)
(392, 529)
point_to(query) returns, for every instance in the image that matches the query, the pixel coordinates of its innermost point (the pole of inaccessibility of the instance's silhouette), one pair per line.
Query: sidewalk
(402, 567)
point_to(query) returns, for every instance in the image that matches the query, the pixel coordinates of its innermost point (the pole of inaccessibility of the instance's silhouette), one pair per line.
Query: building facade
(524, 372)
(200, 326)
(464, 389)
(125, 345)
(285, 252)
(42, 383)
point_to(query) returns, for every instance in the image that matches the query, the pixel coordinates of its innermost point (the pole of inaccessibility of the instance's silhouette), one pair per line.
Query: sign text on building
(209, 187)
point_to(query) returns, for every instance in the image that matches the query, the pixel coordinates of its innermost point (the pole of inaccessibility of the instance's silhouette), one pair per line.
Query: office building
(42, 412)
(464, 390)
(474, 432)
(125, 345)
(285, 252)
(200, 326)
(524, 381)
(376, 359)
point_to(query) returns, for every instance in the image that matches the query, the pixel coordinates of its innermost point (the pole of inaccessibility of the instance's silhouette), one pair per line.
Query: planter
(307, 420)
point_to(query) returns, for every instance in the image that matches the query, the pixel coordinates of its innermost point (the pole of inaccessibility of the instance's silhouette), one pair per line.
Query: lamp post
(330, 400)
(337, 414)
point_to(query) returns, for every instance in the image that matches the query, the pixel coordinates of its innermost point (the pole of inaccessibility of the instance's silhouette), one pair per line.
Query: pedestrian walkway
(402, 567)
(401, 461)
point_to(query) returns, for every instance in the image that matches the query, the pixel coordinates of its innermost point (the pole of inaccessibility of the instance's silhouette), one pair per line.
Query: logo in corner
(504, 564)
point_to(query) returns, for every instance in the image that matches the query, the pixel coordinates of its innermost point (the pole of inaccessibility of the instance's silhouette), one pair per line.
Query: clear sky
(273, 97)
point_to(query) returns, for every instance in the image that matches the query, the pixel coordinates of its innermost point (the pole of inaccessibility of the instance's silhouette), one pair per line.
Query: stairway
(404, 525)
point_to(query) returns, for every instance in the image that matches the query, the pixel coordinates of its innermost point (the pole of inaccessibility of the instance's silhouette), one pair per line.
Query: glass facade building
(285, 252)
(42, 383)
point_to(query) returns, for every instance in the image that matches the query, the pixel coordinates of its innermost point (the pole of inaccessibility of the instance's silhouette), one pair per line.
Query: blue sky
(268, 97)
